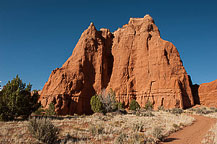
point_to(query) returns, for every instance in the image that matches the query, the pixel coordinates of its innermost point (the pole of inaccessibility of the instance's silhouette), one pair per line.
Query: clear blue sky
(37, 36)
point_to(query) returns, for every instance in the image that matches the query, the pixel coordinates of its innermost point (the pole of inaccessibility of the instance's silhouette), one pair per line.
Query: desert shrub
(144, 113)
(213, 109)
(148, 114)
(158, 133)
(149, 140)
(16, 100)
(39, 111)
(108, 101)
(203, 110)
(134, 105)
(43, 130)
(137, 138)
(192, 109)
(138, 127)
(96, 104)
(120, 139)
(176, 127)
(176, 111)
(119, 106)
(105, 102)
(161, 108)
(96, 129)
(51, 110)
(148, 105)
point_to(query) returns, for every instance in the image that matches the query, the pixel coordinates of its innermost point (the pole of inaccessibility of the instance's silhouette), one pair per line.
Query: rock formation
(134, 61)
(207, 93)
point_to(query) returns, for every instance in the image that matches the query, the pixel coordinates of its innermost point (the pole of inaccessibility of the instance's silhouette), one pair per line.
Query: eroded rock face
(86, 72)
(207, 93)
(147, 67)
(134, 61)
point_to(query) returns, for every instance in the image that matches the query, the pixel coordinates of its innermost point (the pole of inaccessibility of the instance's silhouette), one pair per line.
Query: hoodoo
(134, 61)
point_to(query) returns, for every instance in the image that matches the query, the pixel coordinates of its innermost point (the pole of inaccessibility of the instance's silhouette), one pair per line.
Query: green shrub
(51, 110)
(134, 105)
(16, 100)
(148, 105)
(39, 111)
(148, 114)
(176, 111)
(43, 130)
(203, 110)
(105, 102)
(96, 104)
(176, 127)
(192, 109)
(120, 106)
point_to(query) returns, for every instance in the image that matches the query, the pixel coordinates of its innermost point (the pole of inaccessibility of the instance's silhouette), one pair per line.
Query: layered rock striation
(134, 61)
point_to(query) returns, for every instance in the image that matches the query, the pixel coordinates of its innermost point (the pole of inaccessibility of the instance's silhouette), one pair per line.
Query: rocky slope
(134, 61)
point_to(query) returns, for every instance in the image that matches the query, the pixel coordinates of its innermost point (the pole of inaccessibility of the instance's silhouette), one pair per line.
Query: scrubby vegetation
(148, 105)
(43, 130)
(97, 128)
(211, 136)
(105, 102)
(176, 111)
(134, 105)
(203, 110)
(39, 111)
(96, 104)
(51, 110)
(16, 100)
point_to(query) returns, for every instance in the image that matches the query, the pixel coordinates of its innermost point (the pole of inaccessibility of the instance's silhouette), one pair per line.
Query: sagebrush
(43, 130)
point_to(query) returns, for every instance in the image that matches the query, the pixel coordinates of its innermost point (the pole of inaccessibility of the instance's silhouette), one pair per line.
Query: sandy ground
(192, 134)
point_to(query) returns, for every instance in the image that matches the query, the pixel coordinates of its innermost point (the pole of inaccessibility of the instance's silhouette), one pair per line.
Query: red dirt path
(192, 134)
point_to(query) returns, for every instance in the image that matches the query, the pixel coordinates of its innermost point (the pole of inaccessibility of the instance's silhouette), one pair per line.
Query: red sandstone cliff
(207, 94)
(147, 67)
(86, 72)
(134, 61)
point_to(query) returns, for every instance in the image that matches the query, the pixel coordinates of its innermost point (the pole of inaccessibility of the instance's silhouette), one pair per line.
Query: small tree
(108, 101)
(51, 110)
(120, 106)
(134, 105)
(104, 102)
(16, 100)
(148, 105)
(96, 104)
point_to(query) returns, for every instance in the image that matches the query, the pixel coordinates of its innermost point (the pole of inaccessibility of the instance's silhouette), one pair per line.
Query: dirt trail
(192, 134)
